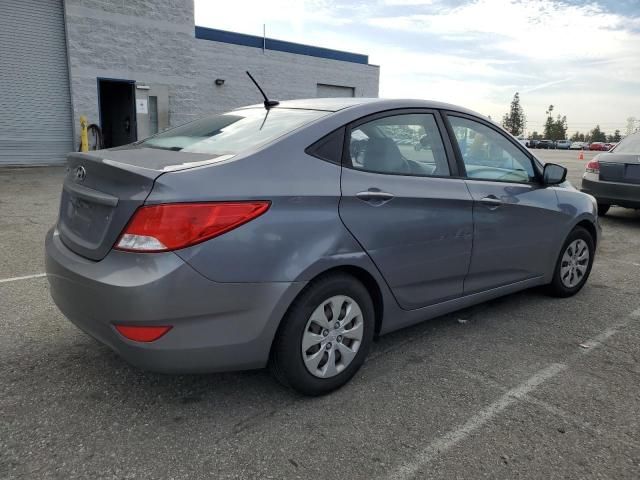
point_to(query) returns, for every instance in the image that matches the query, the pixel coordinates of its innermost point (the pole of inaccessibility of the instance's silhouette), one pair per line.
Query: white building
(137, 66)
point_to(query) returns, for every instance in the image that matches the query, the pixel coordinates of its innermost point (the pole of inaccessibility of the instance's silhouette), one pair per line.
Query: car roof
(336, 104)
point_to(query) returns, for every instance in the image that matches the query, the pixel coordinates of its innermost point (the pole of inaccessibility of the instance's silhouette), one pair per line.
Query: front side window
(232, 132)
(489, 155)
(408, 144)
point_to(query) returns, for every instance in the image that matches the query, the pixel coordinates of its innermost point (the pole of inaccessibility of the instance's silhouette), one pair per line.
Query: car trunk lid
(103, 189)
(621, 168)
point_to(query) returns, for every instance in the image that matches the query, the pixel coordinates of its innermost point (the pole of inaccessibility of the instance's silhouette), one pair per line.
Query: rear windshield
(230, 133)
(630, 144)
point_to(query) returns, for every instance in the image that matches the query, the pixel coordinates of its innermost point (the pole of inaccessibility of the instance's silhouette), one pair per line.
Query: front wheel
(574, 265)
(325, 337)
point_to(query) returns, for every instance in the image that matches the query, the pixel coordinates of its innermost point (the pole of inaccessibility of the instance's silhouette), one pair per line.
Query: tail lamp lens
(593, 167)
(160, 228)
(142, 333)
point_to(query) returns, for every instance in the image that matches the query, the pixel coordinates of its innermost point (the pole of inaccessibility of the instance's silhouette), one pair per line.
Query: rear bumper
(216, 326)
(612, 193)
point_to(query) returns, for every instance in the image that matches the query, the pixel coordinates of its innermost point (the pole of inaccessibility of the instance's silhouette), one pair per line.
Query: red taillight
(159, 228)
(142, 333)
(593, 167)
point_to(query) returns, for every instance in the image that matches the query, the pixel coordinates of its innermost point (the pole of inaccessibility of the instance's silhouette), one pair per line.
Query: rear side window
(329, 148)
(407, 144)
(630, 144)
(233, 132)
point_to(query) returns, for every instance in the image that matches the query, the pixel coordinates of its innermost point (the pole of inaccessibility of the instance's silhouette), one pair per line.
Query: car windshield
(232, 132)
(630, 144)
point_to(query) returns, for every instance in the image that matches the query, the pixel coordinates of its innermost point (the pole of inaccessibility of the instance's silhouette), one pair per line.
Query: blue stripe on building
(234, 38)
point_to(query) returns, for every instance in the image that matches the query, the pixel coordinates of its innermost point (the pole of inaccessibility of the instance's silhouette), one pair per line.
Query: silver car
(291, 236)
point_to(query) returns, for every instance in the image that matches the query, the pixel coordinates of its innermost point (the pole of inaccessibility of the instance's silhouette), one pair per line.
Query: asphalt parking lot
(525, 386)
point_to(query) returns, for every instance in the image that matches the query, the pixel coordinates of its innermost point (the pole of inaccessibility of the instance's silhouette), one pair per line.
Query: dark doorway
(117, 100)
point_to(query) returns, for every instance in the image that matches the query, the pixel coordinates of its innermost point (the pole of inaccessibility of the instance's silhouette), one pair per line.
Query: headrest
(383, 155)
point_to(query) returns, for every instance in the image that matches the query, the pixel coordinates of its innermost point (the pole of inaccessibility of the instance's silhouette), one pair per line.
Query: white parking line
(450, 439)
(26, 277)
(453, 437)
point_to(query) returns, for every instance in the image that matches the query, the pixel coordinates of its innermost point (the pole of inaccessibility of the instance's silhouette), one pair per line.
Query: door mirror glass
(554, 174)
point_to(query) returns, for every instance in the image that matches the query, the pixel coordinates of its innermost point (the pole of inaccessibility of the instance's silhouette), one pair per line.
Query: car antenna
(267, 103)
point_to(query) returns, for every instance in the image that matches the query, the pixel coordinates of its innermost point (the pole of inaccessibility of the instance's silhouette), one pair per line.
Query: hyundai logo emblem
(80, 174)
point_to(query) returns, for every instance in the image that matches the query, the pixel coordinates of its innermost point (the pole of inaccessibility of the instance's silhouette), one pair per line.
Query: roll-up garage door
(35, 103)
(328, 91)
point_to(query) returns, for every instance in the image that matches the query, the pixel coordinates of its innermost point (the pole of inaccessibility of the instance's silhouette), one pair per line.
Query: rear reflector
(160, 228)
(593, 167)
(142, 333)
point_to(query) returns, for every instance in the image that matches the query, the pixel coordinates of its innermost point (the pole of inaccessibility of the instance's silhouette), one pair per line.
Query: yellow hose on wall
(84, 138)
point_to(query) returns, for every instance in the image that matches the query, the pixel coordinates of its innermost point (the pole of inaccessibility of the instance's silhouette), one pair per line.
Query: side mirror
(553, 174)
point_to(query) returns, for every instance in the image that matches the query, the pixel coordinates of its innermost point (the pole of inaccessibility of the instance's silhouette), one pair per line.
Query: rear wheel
(574, 265)
(325, 337)
(603, 208)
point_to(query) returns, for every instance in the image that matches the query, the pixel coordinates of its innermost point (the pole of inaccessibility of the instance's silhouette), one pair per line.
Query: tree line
(596, 135)
(555, 128)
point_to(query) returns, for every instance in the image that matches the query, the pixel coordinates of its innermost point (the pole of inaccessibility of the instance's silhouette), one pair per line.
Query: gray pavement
(525, 386)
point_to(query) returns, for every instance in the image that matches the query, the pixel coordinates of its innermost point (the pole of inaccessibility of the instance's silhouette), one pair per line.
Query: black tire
(603, 208)
(286, 362)
(557, 288)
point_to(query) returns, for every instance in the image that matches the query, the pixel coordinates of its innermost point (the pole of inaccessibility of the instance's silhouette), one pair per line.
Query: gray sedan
(613, 178)
(292, 235)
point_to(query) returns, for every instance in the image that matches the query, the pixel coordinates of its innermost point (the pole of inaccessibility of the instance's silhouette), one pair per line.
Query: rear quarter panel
(300, 234)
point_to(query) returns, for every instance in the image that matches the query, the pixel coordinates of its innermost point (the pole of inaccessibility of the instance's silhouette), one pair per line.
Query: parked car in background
(563, 144)
(608, 146)
(598, 146)
(523, 141)
(534, 143)
(613, 178)
(579, 146)
(260, 237)
(422, 144)
(546, 144)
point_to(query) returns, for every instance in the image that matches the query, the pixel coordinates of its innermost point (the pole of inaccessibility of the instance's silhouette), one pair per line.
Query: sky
(583, 57)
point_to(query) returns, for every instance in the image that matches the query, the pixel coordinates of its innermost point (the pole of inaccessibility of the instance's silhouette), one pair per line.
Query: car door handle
(374, 196)
(491, 202)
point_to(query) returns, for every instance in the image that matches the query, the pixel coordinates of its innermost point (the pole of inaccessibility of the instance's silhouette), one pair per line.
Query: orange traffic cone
(581, 156)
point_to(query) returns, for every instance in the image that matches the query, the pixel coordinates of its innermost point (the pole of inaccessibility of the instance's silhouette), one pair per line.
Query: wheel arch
(368, 280)
(372, 286)
(589, 227)
(363, 276)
